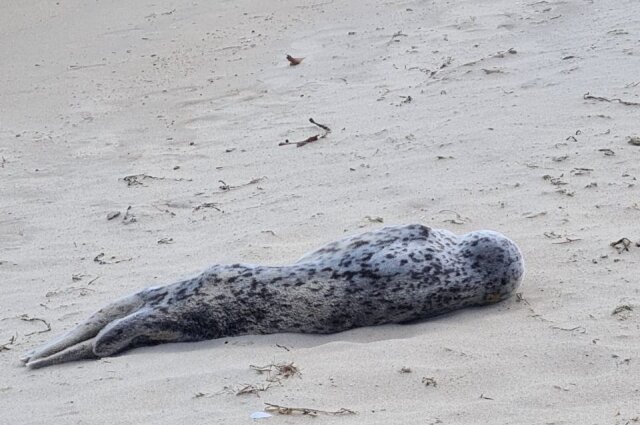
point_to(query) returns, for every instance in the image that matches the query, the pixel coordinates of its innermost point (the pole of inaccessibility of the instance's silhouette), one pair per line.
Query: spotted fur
(392, 275)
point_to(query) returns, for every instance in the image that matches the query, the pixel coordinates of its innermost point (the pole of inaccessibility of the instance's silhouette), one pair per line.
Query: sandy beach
(142, 142)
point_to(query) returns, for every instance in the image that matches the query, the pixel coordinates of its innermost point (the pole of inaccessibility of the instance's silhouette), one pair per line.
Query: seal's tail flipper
(82, 335)
(80, 351)
(139, 328)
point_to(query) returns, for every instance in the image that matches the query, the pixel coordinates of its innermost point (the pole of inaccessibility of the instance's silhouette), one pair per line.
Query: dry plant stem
(587, 96)
(322, 126)
(36, 319)
(395, 36)
(621, 245)
(208, 205)
(276, 372)
(99, 259)
(136, 179)
(224, 187)
(253, 389)
(580, 329)
(128, 216)
(521, 298)
(458, 220)
(302, 143)
(285, 410)
(311, 139)
(566, 240)
(500, 54)
(5, 346)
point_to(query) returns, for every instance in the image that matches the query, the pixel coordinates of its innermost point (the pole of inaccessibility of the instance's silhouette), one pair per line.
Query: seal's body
(392, 275)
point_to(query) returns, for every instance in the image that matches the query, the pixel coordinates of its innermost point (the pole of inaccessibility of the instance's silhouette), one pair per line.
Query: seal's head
(496, 261)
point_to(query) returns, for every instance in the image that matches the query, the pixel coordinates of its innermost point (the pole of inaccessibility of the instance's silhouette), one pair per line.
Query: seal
(396, 274)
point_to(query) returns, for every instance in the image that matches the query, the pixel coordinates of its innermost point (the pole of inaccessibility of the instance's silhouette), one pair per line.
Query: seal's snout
(497, 260)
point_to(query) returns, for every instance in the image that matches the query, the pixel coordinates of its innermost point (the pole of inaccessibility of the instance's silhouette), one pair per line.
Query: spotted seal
(392, 275)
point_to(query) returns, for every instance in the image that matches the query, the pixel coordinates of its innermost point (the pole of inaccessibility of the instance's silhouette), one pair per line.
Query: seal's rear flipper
(80, 351)
(84, 332)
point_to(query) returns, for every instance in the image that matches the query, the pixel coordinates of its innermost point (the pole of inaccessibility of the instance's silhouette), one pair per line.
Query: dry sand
(434, 121)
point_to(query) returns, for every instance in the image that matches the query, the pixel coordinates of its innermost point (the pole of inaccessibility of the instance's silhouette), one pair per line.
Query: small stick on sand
(253, 389)
(284, 347)
(5, 346)
(580, 329)
(36, 319)
(311, 139)
(587, 96)
(276, 372)
(621, 245)
(136, 179)
(395, 37)
(566, 240)
(208, 205)
(322, 126)
(128, 216)
(224, 187)
(284, 410)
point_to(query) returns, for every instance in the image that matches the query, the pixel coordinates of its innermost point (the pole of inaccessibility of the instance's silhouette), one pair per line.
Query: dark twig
(621, 245)
(624, 308)
(521, 299)
(607, 152)
(208, 205)
(128, 216)
(587, 96)
(322, 126)
(5, 346)
(395, 37)
(36, 319)
(284, 347)
(93, 280)
(311, 139)
(302, 143)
